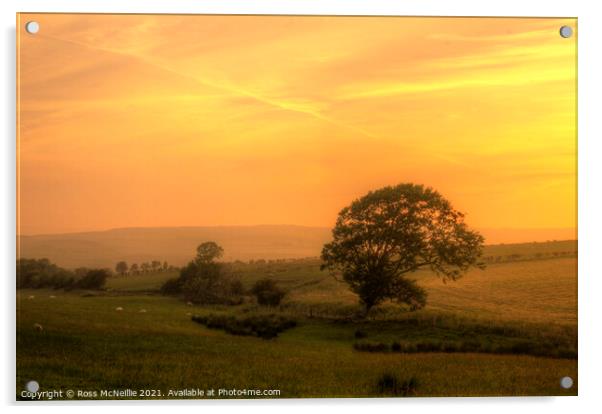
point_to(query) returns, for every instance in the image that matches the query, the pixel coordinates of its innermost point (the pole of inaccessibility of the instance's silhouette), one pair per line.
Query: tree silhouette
(208, 252)
(156, 265)
(394, 231)
(121, 268)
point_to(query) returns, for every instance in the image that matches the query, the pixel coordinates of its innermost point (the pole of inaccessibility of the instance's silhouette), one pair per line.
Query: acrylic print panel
(295, 206)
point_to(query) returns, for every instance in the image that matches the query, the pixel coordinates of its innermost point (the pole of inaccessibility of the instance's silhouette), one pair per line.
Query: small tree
(156, 265)
(205, 281)
(121, 268)
(267, 292)
(395, 231)
(208, 252)
(165, 266)
(134, 269)
(145, 267)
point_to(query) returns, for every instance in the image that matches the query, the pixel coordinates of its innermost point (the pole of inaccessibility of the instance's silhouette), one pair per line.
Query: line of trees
(515, 257)
(122, 268)
(41, 273)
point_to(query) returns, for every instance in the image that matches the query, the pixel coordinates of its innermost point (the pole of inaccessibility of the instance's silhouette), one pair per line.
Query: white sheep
(189, 303)
(30, 297)
(142, 310)
(118, 308)
(52, 297)
(38, 327)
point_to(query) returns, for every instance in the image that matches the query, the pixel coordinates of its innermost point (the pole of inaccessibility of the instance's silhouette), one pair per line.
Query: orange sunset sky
(149, 120)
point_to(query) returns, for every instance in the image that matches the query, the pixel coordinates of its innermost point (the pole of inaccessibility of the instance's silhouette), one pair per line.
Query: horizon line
(480, 229)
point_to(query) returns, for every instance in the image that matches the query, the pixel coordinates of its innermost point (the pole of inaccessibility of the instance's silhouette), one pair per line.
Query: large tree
(389, 233)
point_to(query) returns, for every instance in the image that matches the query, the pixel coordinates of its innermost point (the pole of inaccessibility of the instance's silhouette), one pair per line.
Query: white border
(590, 205)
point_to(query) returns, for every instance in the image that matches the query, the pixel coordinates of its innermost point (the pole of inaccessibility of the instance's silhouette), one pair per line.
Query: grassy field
(86, 344)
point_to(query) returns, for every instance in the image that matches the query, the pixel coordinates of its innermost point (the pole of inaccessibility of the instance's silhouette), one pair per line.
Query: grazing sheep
(31, 297)
(142, 310)
(52, 297)
(38, 327)
(189, 303)
(188, 314)
(119, 308)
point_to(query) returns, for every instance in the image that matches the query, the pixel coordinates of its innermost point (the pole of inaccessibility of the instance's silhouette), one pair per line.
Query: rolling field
(87, 344)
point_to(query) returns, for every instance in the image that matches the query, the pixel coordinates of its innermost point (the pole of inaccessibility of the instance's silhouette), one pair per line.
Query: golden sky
(149, 120)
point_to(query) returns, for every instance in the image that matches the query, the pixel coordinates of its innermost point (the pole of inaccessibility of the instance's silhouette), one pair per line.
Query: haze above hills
(177, 245)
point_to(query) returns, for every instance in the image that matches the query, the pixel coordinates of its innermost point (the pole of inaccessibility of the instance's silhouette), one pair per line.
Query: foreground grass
(87, 344)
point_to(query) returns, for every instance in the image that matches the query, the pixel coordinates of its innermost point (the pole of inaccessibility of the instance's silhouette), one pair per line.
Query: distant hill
(177, 245)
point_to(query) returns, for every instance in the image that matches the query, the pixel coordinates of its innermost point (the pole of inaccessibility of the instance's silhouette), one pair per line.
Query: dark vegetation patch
(267, 292)
(391, 384)
(206, 284)
(262, 326)
(359, 334)
(417, 333)
(41, 274)
(371, 347)
(205, 281)
(522, 347)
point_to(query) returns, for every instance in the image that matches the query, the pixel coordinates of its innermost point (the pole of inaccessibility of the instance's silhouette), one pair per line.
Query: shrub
(267, 292)
(390, 384)
(370, 347)
(94, 279)
(263, 326)
(359, 334)
(172, 286)
(236, 287)
(205, 283)
(449, 347)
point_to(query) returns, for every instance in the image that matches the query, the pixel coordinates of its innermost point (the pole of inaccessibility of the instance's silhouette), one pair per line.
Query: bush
(236, 287)
(172, 286)
(371, 347)
(93, 279)
(205, 283)
(267, 292)
(390, 384)
(359, 334)
(263, 326)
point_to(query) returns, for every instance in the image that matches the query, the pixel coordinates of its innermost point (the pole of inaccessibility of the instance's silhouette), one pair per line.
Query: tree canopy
(393, 231)
(206, 281)
(121, 268)
(208, 252)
